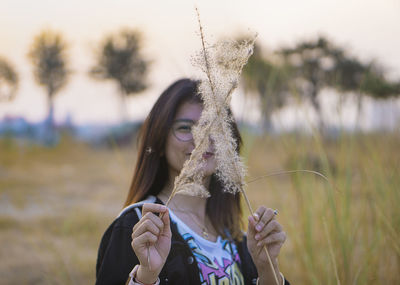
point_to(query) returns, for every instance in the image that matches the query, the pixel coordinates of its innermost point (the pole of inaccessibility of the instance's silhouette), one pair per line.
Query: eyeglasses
(182, 130)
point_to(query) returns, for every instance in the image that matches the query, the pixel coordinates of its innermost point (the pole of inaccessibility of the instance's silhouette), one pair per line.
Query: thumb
(167, 224)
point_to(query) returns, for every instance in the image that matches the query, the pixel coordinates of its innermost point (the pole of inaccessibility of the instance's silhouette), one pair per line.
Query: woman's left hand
(264, 229)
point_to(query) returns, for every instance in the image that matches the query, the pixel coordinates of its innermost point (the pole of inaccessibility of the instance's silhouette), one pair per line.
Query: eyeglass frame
(192, 123)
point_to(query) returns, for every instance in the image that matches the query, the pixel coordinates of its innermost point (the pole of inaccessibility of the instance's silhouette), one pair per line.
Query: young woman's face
(180, 144)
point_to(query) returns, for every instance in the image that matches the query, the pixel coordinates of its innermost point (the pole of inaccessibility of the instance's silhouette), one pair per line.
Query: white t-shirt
(218, 261)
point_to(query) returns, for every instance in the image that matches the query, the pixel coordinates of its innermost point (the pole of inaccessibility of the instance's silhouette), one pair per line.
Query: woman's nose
(212, 143)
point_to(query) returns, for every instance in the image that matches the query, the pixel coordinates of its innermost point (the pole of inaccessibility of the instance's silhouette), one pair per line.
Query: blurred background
(321, 92)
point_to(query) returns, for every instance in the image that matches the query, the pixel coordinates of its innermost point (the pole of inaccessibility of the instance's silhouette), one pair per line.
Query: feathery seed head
(222, 65)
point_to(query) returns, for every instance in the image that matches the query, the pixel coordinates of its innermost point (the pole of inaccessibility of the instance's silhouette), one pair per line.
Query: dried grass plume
(221, 65)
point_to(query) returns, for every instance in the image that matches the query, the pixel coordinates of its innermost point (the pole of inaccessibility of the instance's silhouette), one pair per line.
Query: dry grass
(361, 215)
(56, 203)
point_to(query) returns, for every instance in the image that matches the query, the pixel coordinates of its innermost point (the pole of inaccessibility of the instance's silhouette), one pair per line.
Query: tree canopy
(49, 59)
(8, 80)
(120, 59)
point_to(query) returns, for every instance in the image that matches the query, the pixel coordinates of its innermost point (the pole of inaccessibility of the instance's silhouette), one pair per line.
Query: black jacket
(116, 258)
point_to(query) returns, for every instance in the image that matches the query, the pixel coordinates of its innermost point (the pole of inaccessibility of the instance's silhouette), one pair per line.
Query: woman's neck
(193, 204)
(191, 210)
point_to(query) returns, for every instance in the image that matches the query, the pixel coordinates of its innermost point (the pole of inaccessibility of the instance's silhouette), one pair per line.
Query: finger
(153, 208)
(272, 226)
(155, 219)
(251, 231)
(144, 240)
(149, 216)
(266, 215)
(146, 226)
(273, 238)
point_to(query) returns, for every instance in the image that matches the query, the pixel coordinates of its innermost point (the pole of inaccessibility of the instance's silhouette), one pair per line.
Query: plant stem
(205, 52)
(265, 247)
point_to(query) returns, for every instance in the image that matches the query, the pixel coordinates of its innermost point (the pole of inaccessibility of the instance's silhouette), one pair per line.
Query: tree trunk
(317, 107)
(50, 114)
(49, 135)
(266, 108)
(123, 111)
(359, 111)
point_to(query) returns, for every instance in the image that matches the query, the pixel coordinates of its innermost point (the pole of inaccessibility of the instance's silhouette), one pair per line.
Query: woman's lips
(207, 155)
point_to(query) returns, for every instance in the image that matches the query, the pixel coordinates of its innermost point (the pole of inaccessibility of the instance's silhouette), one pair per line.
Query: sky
(369, 29)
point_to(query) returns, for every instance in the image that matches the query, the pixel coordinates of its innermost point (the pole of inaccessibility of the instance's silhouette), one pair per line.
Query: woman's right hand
(151, 236)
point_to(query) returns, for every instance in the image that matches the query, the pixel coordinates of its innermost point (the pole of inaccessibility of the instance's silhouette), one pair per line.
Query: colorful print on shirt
(218, 261)
(216, 269)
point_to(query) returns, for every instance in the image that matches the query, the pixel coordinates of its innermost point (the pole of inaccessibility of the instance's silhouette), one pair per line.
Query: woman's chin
(208, 170)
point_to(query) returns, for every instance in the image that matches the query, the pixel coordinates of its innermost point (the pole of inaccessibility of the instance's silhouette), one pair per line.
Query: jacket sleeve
(116, 258)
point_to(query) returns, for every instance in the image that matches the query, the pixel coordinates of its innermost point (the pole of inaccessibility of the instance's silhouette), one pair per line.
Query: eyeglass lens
(182, 130)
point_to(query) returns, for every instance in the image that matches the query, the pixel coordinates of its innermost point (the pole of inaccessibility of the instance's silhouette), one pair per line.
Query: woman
(195, 240)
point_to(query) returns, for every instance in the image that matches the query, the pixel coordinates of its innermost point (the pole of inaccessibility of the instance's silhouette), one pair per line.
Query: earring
(149, 150)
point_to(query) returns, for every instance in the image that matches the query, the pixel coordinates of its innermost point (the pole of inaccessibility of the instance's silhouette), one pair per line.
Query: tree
(120, 59)
(320, 63)
(8, 80)
(49, 59)
(313, 63)
(269, 81)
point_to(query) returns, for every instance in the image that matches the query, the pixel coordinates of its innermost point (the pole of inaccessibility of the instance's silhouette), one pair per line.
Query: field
(55, 204)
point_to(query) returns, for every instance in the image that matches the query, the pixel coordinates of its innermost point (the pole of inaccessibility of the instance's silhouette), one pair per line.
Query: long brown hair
(151, 171)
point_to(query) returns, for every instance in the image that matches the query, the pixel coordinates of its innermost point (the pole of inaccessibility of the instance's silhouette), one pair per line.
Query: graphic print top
(218, 261)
